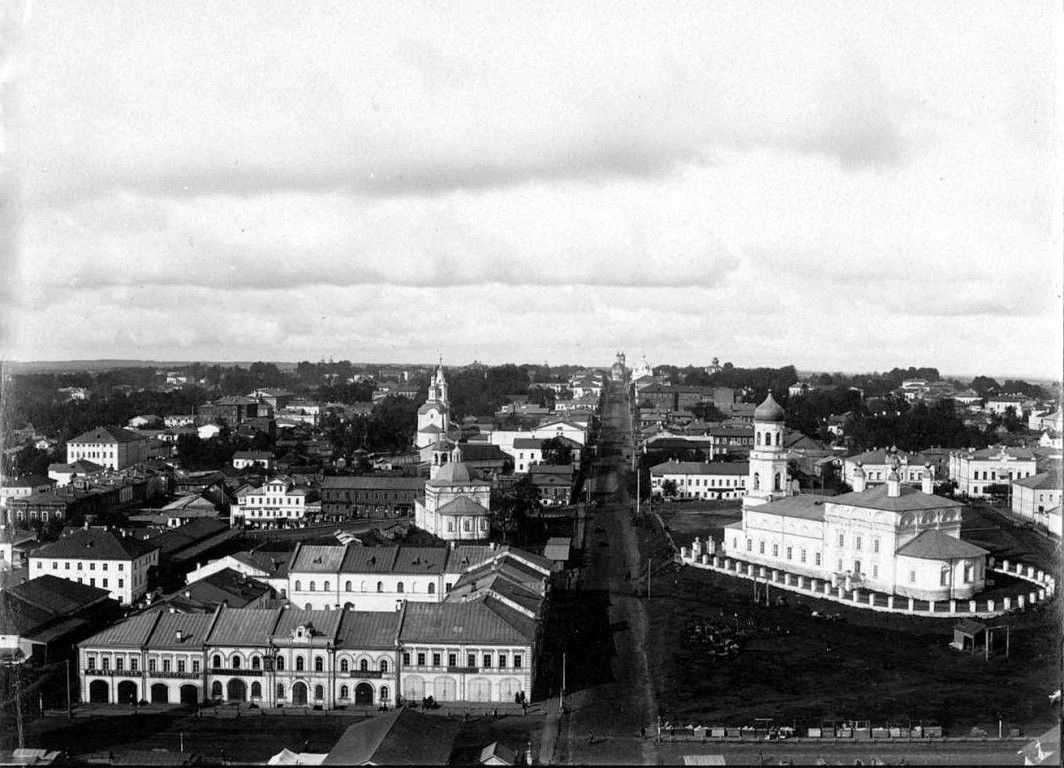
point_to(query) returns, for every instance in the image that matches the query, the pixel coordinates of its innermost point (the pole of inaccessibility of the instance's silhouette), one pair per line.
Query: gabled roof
(464, 556)
(225, 587)
(93, 544)
(373, 482)
(107, 436)
(933, 544)
(530, 443)
(400, 737)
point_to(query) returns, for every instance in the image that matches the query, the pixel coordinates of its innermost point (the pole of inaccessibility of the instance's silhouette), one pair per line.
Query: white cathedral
(457, 505)
(890, 538)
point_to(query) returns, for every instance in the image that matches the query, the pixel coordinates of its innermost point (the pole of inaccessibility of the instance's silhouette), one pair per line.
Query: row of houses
(478, 642)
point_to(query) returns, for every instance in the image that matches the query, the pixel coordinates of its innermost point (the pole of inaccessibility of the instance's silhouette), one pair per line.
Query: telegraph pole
(70, 708)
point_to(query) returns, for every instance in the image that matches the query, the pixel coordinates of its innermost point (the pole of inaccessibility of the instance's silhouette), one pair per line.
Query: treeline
(915, 428)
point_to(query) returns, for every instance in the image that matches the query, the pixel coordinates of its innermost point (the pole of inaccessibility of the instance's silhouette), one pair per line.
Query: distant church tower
(434, 416)
(619, 369)
(768, 479)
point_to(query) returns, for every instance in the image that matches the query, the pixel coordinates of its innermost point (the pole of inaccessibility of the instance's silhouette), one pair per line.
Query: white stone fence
(1043, 586)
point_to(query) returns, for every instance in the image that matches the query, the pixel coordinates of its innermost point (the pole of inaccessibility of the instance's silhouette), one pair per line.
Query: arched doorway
(127, 692)
(189, 694)
(479, 689)
(509, 687)
(159, 694)
(364, 694)
(413, 688)
(446, 689)
(299, 694)
(235, 690)
(98, 692)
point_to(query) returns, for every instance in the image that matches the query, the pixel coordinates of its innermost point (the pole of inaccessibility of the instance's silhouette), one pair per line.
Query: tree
(555, 451)
(984, 385)
(669, 489)
(707, 412)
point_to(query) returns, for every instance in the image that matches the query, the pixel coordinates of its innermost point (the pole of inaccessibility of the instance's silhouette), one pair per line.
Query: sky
(836, 185)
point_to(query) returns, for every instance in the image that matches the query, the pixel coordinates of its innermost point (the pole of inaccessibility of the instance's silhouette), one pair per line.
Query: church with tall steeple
(434, 419)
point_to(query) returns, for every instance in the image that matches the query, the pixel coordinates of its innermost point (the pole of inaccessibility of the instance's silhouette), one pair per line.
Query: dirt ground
(866, 666)
(252, 738)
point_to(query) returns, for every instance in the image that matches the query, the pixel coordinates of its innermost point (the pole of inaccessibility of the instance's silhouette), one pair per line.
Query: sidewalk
(551, 729)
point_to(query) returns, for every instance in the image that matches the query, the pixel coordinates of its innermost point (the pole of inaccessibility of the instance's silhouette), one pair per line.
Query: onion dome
(769, 410)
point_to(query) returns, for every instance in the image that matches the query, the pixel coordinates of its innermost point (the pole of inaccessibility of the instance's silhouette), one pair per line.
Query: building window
(421, 659)
(749, 544)
(300, 664)
(181, 666)
(842, 540)
(471, 660)
(280, 663)
(384, 693)
(399, 587)
(256, 663)
(875, 571)
(801, 554)
(319, 664)
(216, 662)
(363, 665)
(299, 586)
(235, 662)
(344, 692)
(761, 547)
(380, 586)
(91, 661)
(912, 577)
(452, 660)
(817, 558)
(312, 586)
(875, 546)
(344, 665)
(432, 588)
(502, 660)
(195, 667)
(119, 664)
(435, 659)
(106, 663)
(775, 550)
(487, 661)
(384, 665)
(517, 661)
(319, 692)
(347, 586)
(406, 659)
(789, 550)
(857, 543)
(166, 665)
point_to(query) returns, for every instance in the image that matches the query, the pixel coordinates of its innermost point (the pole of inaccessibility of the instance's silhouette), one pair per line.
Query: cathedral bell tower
(768, 478)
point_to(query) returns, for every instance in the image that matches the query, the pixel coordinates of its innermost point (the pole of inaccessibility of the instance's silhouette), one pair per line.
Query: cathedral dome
(769, 410)
(452, 472)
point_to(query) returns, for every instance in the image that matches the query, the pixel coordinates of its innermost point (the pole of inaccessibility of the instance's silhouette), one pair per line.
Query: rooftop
(107, 436)
(94, 544)
(933, 544)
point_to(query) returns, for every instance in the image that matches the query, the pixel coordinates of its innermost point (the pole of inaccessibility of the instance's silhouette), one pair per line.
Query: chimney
(893, 485)
(927, 480)
(859, 478)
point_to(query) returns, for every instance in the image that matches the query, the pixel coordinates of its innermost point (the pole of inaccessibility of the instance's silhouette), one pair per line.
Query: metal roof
(805, 507)
(368, 629)
(128, 633)
(908, 500)
(933, 544)
(484, 621)
(93, 544)
(192, 626)
(244, 626)
(369, 559)
(325, 623)
(318, 558)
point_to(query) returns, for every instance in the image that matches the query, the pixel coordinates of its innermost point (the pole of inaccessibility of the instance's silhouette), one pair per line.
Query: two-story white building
(99, 558)
(701, 479)
(878, 463)
(1038, 498)
(110, 447)
(278, 502)
(974, 471)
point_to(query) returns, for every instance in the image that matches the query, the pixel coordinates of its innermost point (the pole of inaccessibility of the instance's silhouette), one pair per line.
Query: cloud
(539, 235)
